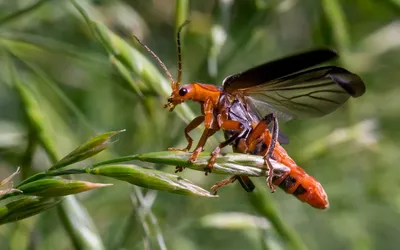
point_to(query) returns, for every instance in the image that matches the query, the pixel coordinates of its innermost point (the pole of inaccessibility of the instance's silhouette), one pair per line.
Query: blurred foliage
(82, 88)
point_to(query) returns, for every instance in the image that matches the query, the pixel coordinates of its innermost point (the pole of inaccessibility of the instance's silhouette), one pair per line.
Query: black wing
(276, 69)
(312, 93)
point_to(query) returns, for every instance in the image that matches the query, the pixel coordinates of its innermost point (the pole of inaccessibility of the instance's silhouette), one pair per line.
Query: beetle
(283, 89)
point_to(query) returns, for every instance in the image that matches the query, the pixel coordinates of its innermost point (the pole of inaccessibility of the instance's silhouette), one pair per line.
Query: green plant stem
(61, 94)
(79, 225)
(117, 160)
(236, 164)
(26, 161)
(48, 174)
(127, 228)
(144, 210)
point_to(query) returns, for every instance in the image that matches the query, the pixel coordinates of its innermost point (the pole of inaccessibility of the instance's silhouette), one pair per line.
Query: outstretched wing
(307, 94)
(276, 69)
(276, 87)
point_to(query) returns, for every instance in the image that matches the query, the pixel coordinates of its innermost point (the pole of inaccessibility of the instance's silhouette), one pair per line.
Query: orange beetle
(282, 89)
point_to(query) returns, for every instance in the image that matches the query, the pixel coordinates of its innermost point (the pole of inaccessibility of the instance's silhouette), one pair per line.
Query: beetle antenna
(159, 61)
(178, 42)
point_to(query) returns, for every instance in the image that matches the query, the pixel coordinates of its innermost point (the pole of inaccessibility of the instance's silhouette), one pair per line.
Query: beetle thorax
(201, 92)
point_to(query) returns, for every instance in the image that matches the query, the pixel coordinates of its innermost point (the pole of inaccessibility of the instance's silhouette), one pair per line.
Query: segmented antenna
(178, 42)
(159, 61)
(174, 84)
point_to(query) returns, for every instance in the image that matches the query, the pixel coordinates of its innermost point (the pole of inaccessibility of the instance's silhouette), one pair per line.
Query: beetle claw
(179, 169)
(270, 174)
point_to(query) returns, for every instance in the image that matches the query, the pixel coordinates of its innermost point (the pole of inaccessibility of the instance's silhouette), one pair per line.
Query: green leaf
(150, 178)
(36, 117)
(134, 61)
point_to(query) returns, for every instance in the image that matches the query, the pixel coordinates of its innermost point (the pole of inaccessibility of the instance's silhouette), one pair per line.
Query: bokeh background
(352, 152)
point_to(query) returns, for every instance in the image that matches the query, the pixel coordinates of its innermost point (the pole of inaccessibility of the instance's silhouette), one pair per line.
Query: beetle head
(179, 95)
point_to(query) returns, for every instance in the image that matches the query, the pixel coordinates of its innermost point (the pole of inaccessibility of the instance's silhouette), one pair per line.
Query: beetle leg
(261, 133)
(192, 125)
(264, 137)
(208, 131)
(245, 181)
(179, 169)
(241, 146)
(224, 124)
(271, 146)
(271, 118)
(270, 174)
(217, 150)
(222, 183)
(208, 113)
(199, 148)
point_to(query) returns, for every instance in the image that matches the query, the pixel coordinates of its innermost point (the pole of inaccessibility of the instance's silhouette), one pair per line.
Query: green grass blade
(148, 219)
(33, 112)
(181, 13)
(150, 178)
(134, 61)
(37, 121)
(23, 12)
(234, 221)
(335, 15)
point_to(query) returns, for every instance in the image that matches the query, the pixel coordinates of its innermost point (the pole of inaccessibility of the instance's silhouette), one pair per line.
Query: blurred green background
(352, 152)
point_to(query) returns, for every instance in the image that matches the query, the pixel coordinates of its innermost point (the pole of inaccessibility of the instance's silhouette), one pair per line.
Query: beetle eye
(183, 91)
